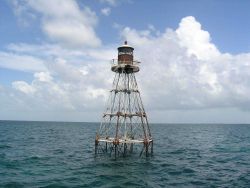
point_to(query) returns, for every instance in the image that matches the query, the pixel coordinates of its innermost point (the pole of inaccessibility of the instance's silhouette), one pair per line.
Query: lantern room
(125, 54)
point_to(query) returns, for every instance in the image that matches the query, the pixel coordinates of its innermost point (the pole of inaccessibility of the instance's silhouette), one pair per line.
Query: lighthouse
(124, 129)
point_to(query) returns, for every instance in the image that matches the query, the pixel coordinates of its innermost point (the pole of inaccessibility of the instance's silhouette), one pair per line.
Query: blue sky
(54, 58)
(223, 19)
(226, 21)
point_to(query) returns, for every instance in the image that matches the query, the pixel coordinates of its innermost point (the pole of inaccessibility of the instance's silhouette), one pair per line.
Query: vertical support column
(146, 149)
(115, 150)
(96, 144)
(152, 147)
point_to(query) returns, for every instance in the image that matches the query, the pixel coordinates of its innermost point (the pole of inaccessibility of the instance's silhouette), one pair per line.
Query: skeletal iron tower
(124, 128)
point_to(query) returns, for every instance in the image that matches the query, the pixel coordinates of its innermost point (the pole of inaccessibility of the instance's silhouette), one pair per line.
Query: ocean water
(56, 154)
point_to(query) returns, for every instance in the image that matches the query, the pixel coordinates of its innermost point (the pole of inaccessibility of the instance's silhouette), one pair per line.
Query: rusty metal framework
(124, 129)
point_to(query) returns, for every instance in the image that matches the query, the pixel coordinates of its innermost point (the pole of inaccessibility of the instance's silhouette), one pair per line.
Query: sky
(55, 58)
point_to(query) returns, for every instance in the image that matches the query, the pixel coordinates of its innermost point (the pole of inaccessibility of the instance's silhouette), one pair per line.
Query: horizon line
(169, 123)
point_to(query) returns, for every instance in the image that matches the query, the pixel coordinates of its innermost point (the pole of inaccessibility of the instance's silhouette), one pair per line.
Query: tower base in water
(123, 148)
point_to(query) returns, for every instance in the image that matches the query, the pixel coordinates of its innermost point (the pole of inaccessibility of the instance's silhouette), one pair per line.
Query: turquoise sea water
(53, 154)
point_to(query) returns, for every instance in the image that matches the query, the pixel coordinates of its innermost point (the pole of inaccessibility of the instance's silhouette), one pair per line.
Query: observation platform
(125, 66)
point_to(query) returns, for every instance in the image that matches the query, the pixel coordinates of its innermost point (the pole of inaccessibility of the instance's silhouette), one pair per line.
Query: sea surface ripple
(60, 154)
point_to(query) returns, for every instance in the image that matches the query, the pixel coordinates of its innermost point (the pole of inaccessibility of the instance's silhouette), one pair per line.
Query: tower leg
(142, 150)
(115, 150)
(152, 147)
(96, 146)
(124, 149)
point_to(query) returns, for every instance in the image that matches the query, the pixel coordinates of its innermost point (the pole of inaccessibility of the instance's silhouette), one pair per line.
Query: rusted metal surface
(124, 129)
(125, 54)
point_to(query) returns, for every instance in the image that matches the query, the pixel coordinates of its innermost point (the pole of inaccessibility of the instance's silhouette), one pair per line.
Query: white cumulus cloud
(196, 40)
(65, 22)
(21, 62)
(23, 87)
(43, 76)
(106, 11)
